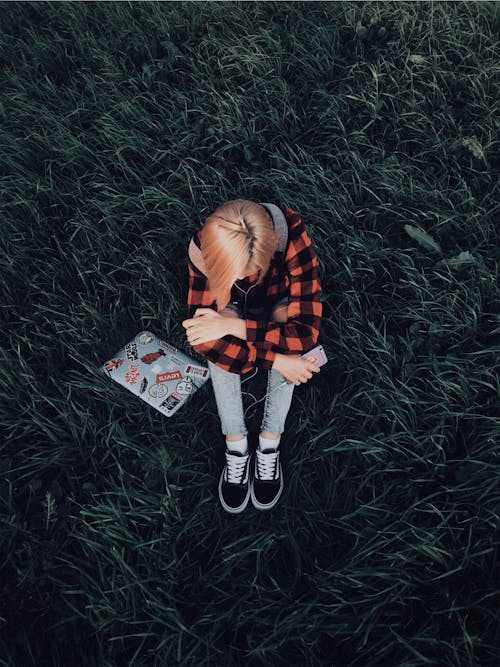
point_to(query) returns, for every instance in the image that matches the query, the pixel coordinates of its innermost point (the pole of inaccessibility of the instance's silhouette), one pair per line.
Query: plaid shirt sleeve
(229, 352)
(300, 333)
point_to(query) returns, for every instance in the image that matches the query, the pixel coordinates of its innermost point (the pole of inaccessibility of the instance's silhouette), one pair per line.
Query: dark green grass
(122, 126)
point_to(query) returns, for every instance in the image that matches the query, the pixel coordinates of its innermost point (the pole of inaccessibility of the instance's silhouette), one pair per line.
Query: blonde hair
(236, 236)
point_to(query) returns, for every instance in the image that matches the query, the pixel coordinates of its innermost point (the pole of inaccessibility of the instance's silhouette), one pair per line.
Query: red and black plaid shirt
(297, 278)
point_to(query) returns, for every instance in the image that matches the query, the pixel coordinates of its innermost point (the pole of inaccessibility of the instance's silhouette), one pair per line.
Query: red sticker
(168, 377)
(133, 374)
(152, 356)
(113, 364)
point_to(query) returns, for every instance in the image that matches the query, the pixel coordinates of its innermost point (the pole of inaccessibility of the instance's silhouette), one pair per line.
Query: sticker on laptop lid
(131, 349)
(145, 337)
(144, 384)
(132, 375)
(167, 346)
(169, 376)
(197, 370)
(185, 386)
(162, 368)
(113, 364)
(150, 357)
(171, 402)
(158, 390)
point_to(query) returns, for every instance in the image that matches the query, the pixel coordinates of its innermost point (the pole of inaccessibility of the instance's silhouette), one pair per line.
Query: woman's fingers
(312, 360)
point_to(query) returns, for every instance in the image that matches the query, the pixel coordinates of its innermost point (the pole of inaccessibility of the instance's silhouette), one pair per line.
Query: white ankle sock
(238, 445)
(268, 443)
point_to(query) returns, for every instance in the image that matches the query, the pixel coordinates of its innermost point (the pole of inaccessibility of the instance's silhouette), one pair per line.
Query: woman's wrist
(277, 360)
(237, 327)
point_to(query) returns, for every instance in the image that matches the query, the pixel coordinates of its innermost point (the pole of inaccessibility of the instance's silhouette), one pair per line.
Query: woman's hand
(295, 368)
(205, 325)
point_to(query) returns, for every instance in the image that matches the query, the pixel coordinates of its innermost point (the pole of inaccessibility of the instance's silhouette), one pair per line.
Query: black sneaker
(267, 481)
(234, 482)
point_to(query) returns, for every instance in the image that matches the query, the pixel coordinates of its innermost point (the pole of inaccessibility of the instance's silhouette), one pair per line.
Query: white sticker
(185, 386)
(145, 337)
(158, 390)
(167, 346)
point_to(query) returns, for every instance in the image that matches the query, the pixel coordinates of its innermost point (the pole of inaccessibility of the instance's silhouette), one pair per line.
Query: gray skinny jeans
(227, 391)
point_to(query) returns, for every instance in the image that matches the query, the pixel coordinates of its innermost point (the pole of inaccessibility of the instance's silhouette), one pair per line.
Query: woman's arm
(301, 330)
(229, 353)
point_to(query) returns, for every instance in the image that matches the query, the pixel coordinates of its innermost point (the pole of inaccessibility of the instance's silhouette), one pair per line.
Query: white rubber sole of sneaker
(233, 510)
(261, 506)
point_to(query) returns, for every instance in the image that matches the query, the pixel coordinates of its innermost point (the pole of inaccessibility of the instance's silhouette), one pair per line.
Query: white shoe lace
(266, 464)
(235, 467)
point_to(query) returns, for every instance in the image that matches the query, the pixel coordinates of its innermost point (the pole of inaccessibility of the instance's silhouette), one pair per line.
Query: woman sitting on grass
(247, 309)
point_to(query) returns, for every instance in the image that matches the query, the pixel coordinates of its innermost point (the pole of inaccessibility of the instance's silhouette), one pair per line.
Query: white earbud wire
(260, 399)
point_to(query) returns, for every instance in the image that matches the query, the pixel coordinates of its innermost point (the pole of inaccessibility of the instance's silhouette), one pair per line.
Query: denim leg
(227, 391)
(278, 401)
(278, 398)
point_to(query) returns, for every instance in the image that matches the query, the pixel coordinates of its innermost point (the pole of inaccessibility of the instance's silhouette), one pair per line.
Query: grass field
(123, 125)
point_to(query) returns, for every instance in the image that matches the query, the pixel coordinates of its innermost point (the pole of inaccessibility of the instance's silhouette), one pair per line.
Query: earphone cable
(260, 399)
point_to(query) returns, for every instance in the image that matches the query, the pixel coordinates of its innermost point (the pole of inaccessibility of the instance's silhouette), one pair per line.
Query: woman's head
(237, 239)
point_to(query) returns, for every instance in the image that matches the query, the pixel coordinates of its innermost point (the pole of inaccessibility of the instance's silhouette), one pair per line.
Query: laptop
(158, 373)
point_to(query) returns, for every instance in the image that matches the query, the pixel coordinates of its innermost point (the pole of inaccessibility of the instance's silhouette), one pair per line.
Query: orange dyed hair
(238, 236)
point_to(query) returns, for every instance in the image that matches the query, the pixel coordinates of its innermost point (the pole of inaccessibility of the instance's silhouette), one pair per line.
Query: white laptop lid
(157, 372)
